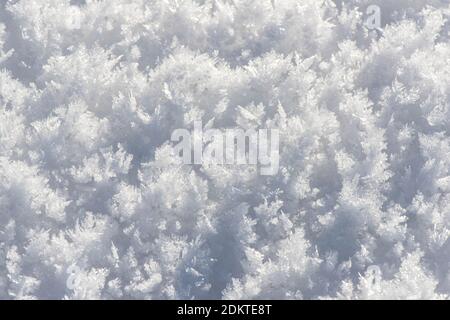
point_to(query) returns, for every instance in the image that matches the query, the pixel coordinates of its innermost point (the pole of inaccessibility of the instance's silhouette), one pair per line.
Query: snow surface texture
(90, 92)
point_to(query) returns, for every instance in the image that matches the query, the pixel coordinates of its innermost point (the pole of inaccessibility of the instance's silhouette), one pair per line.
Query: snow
(94, 203)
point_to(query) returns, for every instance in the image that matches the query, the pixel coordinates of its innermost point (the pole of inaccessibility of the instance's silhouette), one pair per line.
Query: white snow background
(90, 92)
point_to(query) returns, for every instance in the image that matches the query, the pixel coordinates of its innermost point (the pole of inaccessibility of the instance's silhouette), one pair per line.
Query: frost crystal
(95, 203)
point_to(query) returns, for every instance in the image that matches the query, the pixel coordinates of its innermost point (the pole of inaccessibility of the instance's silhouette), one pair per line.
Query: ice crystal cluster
(95, 205)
